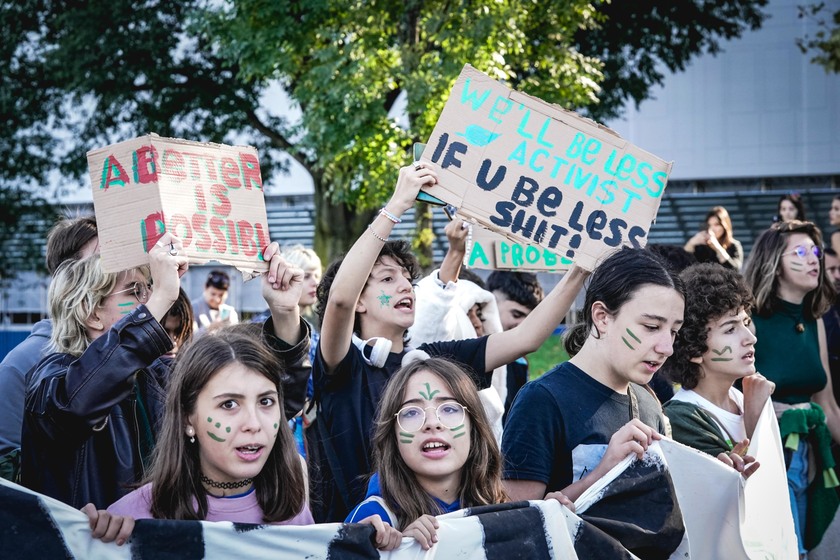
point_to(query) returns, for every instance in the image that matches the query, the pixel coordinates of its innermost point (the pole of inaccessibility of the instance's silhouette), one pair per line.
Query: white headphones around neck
(378, 352)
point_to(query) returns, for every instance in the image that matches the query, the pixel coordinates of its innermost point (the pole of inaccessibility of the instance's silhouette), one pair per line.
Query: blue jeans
(797, 478)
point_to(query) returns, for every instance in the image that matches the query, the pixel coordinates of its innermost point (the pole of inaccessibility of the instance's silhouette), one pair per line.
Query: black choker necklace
(226, 485)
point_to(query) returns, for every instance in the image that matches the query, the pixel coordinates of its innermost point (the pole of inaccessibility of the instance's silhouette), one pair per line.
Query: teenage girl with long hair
(433, 451)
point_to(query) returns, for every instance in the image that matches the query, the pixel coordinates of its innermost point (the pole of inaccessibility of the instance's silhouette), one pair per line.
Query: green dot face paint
(721, 352)
(227, 429)
(384, 300)
(276, 426)
(218, 424)
(429, 394)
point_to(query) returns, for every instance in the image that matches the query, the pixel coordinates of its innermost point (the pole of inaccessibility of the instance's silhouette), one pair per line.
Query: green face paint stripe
(406, 441)
(407, 435)
(721, 359)
(627, 343)
(636, 338)
(459, 434)
(429, 394)
(126, 304)
(215, 437)
(461, 427)
(384, 299)
(722, 351)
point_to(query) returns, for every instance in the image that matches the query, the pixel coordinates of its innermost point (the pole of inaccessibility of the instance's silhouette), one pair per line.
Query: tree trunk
(336, 226)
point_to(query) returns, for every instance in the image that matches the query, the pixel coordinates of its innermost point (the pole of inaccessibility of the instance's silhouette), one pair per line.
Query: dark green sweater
(788, 358)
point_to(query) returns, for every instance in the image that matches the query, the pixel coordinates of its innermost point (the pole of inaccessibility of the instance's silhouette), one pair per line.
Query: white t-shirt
(729, 423)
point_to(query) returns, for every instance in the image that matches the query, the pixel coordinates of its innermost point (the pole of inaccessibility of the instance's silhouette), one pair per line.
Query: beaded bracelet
(390, 216)
(376, 235)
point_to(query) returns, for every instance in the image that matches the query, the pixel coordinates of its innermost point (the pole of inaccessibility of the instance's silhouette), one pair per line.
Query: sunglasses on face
(802, 251)
(139, 290)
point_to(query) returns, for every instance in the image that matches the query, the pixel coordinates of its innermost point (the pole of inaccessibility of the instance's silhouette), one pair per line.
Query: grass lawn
(549, 355)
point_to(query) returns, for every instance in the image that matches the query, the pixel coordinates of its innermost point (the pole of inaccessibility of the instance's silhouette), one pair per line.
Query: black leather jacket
(84, 425)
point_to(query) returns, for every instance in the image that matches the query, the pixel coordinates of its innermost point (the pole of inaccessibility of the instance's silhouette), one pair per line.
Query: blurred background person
(69, 239)
(178, 322)
(790, 208)
(716, 243)
(834, 220)
(210, 310)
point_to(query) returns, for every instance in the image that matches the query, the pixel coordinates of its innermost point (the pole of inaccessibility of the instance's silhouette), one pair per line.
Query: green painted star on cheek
(384, 300)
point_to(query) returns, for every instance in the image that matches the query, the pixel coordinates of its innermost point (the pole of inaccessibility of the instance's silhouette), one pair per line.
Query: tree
(108, 70)
(824, 44)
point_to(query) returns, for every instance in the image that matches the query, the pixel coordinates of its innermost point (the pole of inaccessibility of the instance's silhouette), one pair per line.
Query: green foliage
(25, 220)
(102, 71)
(547, 356)
(825, 42)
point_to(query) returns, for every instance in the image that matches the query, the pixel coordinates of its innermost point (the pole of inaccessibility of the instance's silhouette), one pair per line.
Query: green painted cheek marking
(214, 437)
(456, 429)
(127, 307)
(276, 426)
(633, 335)
(227, 429)
(405, 437)
(209, 419)
(724, 350)
(384, 300)
(218, 424)
(630, 346)
(429, 394)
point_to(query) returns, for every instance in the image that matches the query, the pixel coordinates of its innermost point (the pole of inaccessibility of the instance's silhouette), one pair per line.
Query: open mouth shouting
(435, 448)
(250, 452)
(406, 303)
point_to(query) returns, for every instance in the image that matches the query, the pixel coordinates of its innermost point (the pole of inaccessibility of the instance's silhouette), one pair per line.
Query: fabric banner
(629, 510)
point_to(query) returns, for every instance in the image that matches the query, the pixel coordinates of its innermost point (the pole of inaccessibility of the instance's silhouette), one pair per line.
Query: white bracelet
(390, 216)
(376, 235)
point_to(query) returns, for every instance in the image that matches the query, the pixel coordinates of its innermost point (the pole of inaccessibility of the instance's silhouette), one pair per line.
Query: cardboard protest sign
(489, 250)
(209, 195)
(540, 174)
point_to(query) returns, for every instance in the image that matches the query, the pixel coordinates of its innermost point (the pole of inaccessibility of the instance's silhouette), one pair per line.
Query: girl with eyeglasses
(787, 275)
(433, 450)
(93, 406)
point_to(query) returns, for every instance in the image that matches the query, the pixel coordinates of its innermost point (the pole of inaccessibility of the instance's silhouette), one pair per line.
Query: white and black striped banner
(630, 509)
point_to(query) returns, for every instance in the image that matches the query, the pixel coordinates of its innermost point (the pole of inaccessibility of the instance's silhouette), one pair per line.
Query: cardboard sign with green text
(489, 250)
(209, 195)
(537, 173)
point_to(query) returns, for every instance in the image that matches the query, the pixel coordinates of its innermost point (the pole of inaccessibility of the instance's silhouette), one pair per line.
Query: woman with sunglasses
(787, 277)
(93, 406)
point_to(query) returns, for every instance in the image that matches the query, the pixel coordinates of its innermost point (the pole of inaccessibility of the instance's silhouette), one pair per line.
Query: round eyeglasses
(802, 251)
(412, 418)
(139, 290)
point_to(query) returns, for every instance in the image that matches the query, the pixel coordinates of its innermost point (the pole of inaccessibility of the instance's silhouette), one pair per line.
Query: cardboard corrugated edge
(249, 267)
